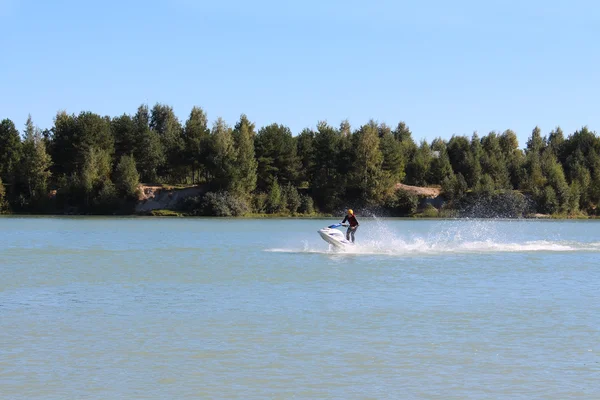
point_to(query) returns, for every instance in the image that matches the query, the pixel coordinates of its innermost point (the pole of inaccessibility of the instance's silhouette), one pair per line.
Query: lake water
(105, 308)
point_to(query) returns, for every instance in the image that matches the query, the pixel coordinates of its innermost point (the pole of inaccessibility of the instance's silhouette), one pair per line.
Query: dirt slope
(431, 192)
(153, 197)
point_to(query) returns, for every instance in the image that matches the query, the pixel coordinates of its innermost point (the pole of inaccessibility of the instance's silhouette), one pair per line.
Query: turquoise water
(101, 308)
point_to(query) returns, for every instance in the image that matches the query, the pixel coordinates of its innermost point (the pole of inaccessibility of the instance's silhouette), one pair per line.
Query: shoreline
(174, 214)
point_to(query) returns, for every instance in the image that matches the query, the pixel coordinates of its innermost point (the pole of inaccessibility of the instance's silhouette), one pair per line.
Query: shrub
(216, 204)
(3, 202)
(307, 205)
(291, 198)
(501, 204)
(164, 213)
(402, 203)
(259, 203)
(547, 201)
(191, 205)
(106, 201)
(454, 187)
(430, 212)
(274, 200)
(126, 177)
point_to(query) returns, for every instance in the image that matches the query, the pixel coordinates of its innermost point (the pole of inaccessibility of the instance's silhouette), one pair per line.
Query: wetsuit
(352, 228)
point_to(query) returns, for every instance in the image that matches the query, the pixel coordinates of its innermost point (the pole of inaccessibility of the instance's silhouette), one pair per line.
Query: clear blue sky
(443, 67)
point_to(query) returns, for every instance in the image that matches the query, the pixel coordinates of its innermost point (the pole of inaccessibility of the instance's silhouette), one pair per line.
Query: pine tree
(417, 170)
(3, 201)
(196, 137)
(275, 150)
(168, 128)
(327, 170)
(243, 135)
(493, 161)
(474, 174)
(513, 157)
(35, 163)
(368, 176)
(291, 198)
(124, 132)
(274, 199)
(393, 155)
(305, 151)
(149, 153)
(10, 152)
(440, 168)
(222, 157)
(126, 177)
(556, 140)
(536, 142)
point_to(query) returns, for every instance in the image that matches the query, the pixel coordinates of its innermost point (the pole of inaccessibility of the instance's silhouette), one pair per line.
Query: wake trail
(475, 237)
(419, 247)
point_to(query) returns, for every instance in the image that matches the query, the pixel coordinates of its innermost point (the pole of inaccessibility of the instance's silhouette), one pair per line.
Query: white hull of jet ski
(334, 237)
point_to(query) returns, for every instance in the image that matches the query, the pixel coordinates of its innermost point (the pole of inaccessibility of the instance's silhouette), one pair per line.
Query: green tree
(459, 151)
(493, 161)
(243, 135)
(196, 137)
(368, 176)
(556, 140)
(536, 180)
(10, 152)
(126, 177)
(547, 201)
(574, 198)
(555, 177)
(35, 163)
(403, 135)
(291, 198)
(305, 152)
(440, 168)
(581, 179)
(393, 154)
(74, 136)
(124, 132)
(345, 128)
(513, 156)
(164, 122)
(222, 157)
(275, 150)
(91, 189)
(326, 172)
(3, 201)
(475, 172)
(417, 170)
(96, 169)
(594, 166)
(149, 153)
(536, 142)
(454, 187)
(274, 200)
(485, 187)
(345, 158)
(306, 205)
(402, 203)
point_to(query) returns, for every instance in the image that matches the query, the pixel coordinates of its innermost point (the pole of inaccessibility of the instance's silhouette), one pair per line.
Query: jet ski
(335, 237)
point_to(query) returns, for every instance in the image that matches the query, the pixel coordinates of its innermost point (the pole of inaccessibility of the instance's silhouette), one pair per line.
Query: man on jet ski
(352, 225)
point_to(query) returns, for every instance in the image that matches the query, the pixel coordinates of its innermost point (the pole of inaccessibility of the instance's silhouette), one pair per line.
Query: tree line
(88, 163)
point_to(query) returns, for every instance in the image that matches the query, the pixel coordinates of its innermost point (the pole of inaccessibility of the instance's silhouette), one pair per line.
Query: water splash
(447, 237)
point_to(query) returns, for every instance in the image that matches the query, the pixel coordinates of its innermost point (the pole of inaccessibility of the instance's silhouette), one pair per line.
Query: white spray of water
(449, 237)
